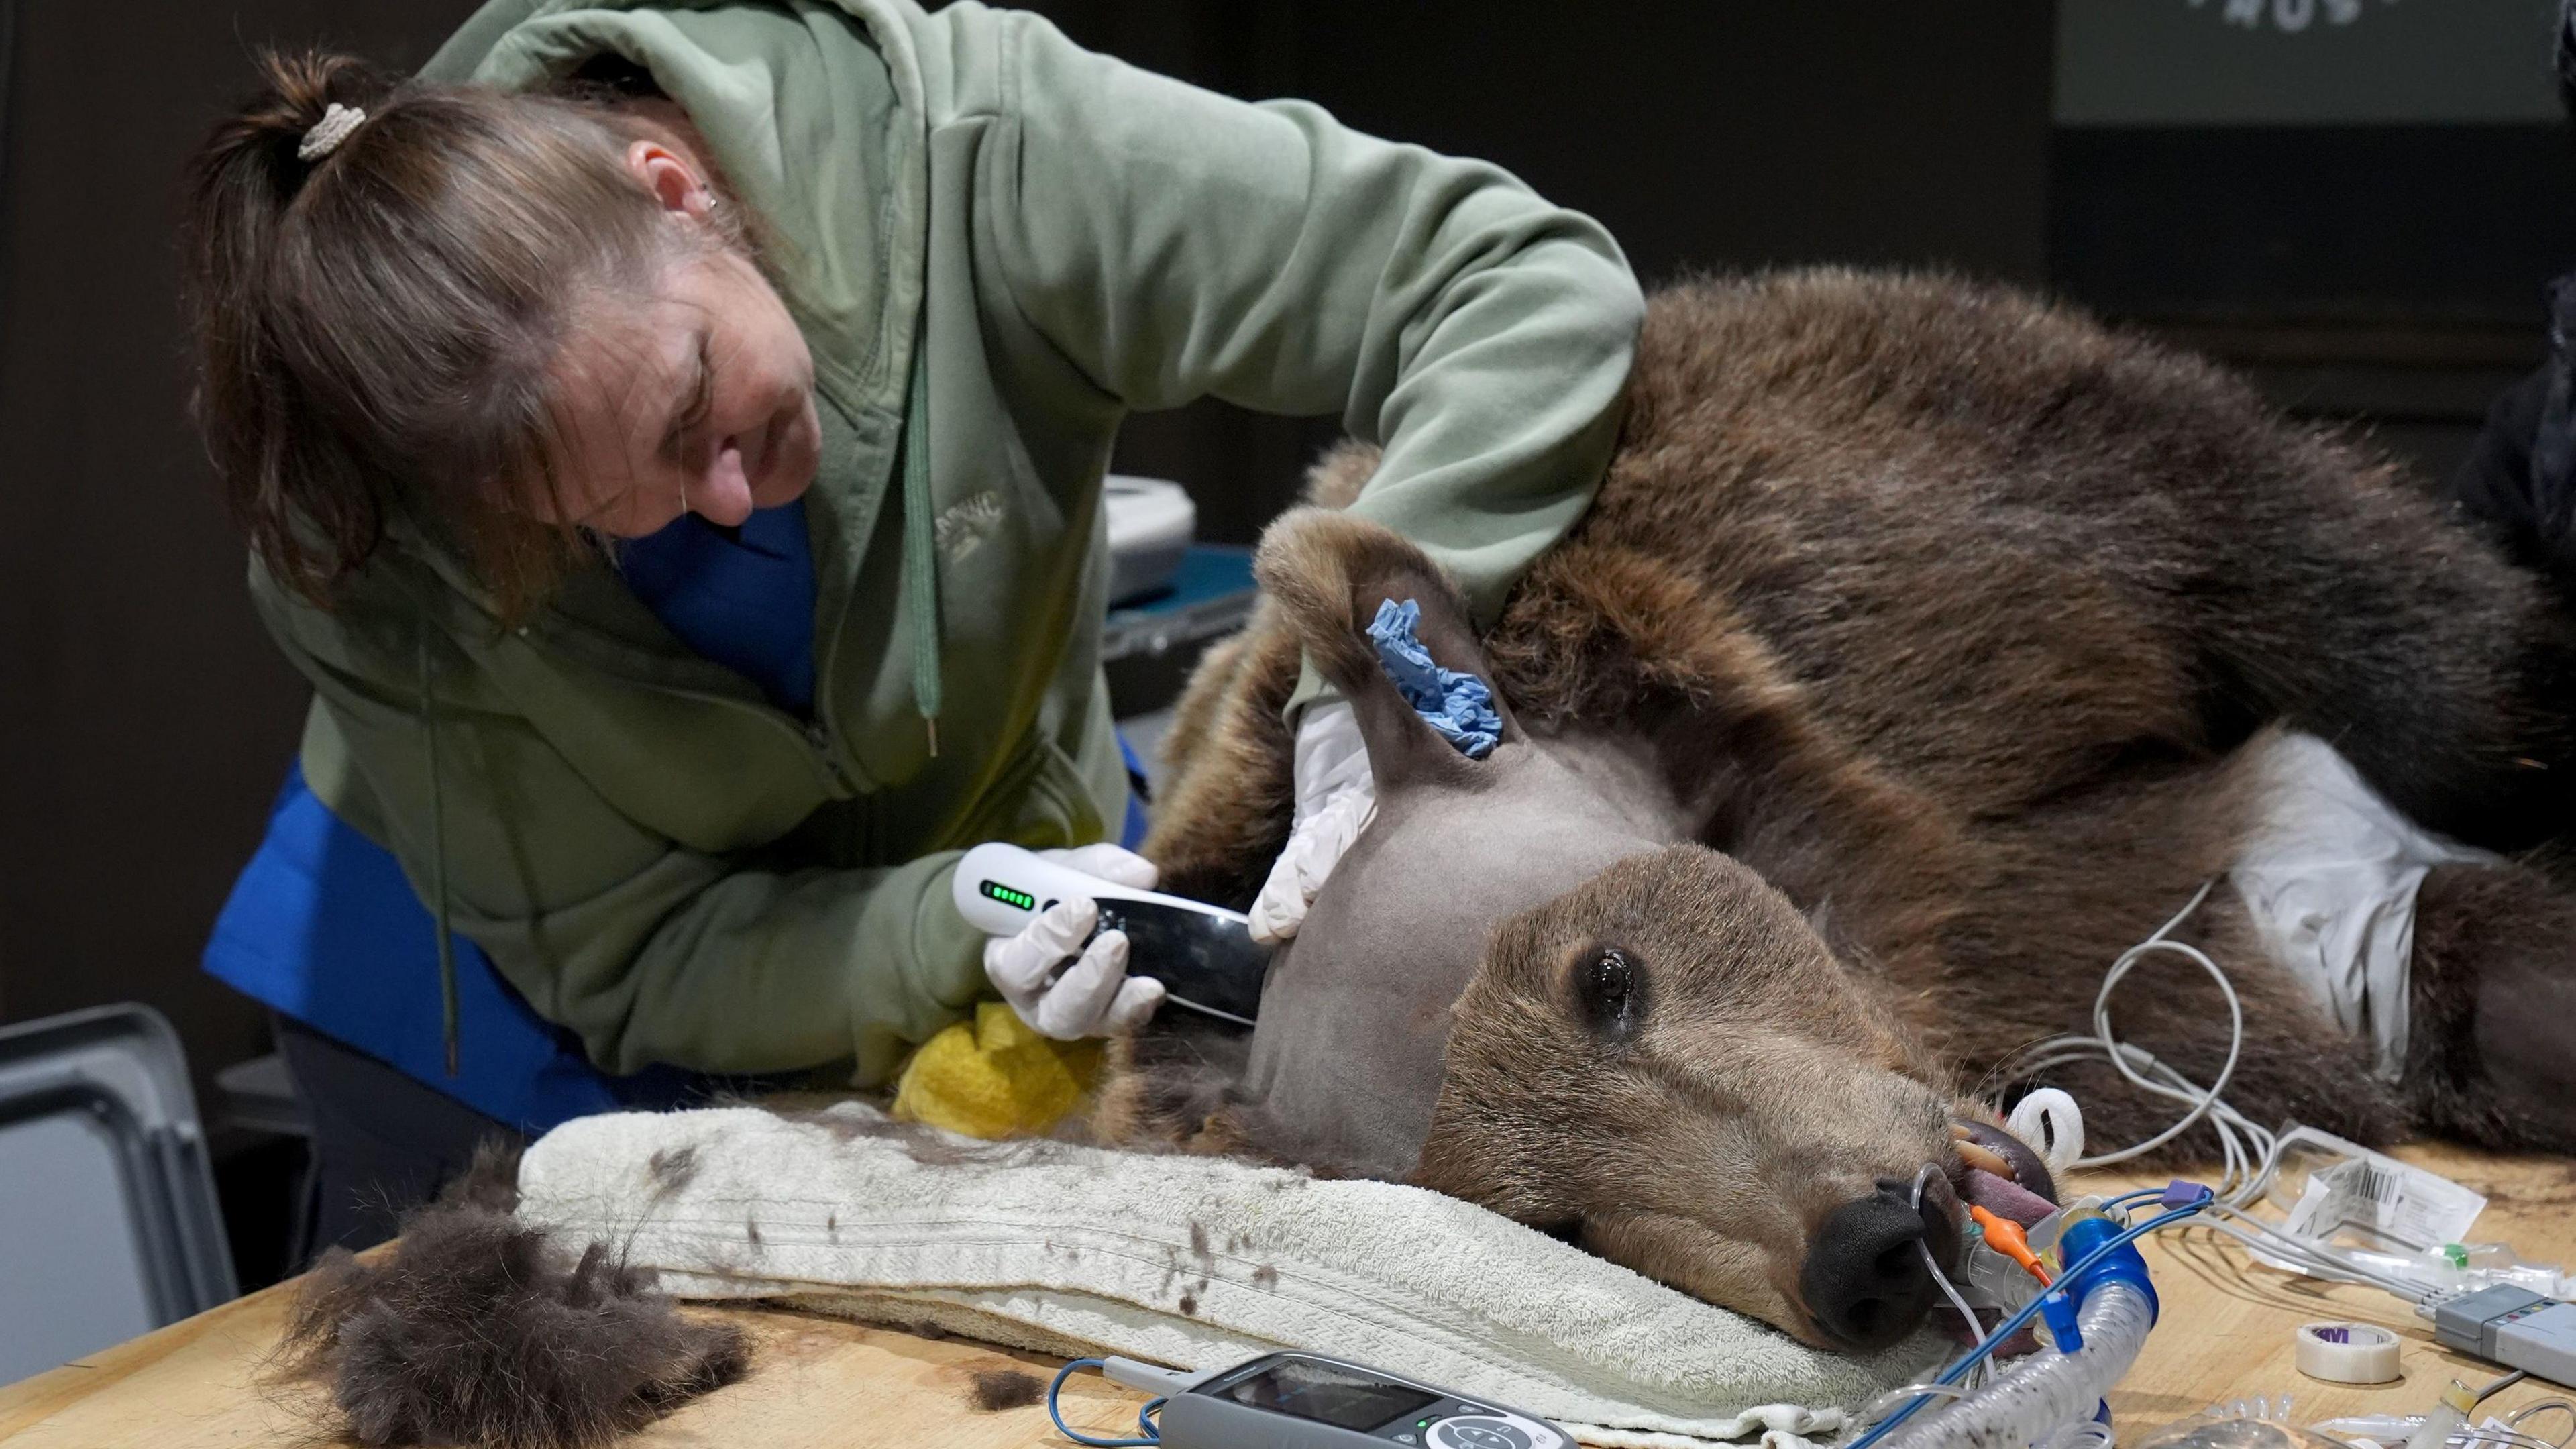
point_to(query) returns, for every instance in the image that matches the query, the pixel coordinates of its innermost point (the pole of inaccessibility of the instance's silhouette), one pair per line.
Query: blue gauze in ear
(1458, 705)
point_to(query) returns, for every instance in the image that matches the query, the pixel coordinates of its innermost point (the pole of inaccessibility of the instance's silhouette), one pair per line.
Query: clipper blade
(1206, 962)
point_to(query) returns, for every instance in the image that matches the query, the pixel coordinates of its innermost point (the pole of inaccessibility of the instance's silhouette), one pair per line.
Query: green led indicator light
(1010, 897)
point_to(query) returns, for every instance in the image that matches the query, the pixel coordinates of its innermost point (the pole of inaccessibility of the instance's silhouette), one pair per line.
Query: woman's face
(695, 395)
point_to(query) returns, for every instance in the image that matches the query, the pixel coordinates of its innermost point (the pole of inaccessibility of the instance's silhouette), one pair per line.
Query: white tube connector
(2051, 1123)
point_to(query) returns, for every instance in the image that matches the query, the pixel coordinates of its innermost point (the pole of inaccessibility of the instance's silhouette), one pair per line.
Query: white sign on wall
(2306, 62)
(2291, 16)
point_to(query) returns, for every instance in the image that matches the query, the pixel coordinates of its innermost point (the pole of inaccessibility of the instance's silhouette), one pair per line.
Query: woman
(670, 441)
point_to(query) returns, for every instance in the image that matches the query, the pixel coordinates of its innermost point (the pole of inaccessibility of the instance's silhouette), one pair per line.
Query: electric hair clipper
(1204, 955)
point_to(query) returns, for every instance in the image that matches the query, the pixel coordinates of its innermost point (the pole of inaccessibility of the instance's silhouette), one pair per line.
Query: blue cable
(1144, 1416)
(2013, 1325)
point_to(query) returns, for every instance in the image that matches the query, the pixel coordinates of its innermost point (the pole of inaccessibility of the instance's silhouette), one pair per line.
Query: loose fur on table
(999, 1389)
(477, 1330)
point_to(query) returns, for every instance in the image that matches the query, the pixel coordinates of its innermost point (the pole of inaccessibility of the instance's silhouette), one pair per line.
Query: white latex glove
(1336, 798)
(1094, 996)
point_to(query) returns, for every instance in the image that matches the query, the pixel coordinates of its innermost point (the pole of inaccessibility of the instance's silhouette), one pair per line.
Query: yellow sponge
(995, 1077)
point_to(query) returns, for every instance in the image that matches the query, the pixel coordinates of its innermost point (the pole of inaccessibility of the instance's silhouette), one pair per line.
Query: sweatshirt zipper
(819, 735)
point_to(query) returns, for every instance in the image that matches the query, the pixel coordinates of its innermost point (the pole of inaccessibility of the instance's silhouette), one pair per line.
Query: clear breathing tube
(2049, 1392)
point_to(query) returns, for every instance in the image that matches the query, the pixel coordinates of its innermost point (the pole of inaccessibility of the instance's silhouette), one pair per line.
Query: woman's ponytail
(240, 186)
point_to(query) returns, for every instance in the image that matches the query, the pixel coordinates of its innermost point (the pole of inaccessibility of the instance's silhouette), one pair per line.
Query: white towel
(1189, 1261)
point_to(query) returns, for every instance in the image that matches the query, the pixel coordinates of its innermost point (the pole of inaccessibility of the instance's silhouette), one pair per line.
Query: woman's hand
(1092, 994)
(1336, 798)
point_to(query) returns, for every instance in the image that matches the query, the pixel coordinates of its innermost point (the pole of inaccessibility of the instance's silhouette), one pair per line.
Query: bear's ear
(1330, 573)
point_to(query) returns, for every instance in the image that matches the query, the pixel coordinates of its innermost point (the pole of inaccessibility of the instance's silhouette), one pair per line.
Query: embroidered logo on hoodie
(963, 526)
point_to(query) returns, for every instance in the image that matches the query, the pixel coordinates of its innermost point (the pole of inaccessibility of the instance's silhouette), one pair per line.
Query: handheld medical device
(1204, 955)
(2514, 1327)
(1308, 1401)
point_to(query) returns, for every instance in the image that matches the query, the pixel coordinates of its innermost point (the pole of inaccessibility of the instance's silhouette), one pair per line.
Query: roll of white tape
(2347, 1353)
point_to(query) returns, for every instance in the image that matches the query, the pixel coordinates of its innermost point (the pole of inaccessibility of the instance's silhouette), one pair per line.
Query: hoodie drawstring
(921, 542)
(438, 859)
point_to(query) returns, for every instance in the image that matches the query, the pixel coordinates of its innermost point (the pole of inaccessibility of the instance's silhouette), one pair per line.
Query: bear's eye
(1612, 988)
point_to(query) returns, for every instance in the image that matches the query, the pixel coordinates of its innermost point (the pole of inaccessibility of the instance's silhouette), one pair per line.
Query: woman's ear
(1330, 573)
(671, 179)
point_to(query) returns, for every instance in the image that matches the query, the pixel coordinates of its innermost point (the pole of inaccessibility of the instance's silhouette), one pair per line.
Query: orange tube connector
(2005, 1237)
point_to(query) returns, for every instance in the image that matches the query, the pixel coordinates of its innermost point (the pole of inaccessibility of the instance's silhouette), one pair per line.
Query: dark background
(2387, 272)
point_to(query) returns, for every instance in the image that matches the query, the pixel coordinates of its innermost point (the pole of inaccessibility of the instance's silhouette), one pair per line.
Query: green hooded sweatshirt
(661, 860)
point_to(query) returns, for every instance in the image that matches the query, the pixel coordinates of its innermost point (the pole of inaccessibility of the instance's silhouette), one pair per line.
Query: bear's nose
(1865, 1279)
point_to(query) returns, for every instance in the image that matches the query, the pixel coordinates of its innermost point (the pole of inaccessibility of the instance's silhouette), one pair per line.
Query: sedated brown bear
(1907, 669)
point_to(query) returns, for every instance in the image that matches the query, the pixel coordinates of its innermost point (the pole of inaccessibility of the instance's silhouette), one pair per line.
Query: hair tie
(327, 134)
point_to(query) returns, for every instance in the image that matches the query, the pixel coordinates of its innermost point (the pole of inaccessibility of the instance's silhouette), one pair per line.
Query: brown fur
(2491, 951)
(475, 1329)
(1954, 611)
(993, 1390)
(1229, 809)
(491, 1180)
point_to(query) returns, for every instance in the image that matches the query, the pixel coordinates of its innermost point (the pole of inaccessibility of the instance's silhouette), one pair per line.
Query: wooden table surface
(820, 1383)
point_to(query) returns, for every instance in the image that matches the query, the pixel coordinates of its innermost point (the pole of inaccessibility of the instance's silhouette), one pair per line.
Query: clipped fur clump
(997, 1389)
(477, 1330)
(490, 1181)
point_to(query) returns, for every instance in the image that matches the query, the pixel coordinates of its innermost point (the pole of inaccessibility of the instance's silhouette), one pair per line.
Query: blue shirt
(743, 597)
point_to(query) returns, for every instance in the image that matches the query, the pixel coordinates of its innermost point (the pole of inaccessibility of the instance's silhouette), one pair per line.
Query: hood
(817, 116)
